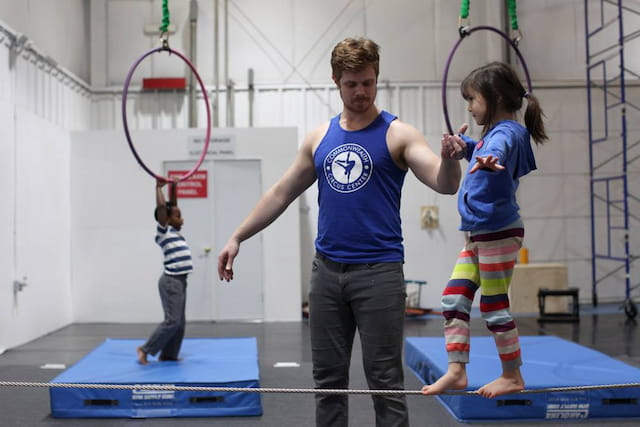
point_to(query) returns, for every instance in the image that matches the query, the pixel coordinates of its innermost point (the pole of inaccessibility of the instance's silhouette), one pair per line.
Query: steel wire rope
(161, 387)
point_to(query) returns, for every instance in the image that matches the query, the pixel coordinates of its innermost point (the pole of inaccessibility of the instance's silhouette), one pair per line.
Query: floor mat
(549, 362)
(206, 362)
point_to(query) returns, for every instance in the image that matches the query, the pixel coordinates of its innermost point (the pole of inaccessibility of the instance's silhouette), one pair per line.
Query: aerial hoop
(464, 32)
(125, 91)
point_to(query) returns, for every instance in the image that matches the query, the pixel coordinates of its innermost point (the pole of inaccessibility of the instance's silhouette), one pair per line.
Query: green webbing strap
(464, 9)
(165, 17)
(463, 20)
(511, 5)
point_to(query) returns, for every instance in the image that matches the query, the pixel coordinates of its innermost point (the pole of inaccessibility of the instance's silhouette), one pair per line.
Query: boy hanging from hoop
(172, 285)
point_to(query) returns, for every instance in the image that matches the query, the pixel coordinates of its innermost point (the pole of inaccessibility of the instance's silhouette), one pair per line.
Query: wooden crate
(528, 278)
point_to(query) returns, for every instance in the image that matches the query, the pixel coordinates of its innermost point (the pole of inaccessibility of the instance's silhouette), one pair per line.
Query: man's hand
(225, 260)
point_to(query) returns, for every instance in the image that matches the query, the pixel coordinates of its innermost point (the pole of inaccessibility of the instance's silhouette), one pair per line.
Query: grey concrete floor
(607, 330)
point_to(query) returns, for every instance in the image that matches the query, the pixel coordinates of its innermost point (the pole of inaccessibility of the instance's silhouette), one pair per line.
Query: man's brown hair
(354, 55)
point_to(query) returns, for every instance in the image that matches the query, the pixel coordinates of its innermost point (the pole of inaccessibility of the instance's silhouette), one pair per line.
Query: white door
(237, 187)
(233, 188)
(197, 230)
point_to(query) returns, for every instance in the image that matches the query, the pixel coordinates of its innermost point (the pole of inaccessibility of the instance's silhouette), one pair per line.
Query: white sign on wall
(220, 147)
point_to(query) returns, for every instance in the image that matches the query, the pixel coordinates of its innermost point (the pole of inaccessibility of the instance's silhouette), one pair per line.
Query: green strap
(165, 17)
(511, 5)
(464, 9)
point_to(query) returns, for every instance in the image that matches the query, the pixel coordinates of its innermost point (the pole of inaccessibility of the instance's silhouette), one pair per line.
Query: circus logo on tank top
(348, 167)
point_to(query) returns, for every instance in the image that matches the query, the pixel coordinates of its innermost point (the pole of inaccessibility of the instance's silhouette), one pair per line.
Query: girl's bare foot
(454, 379)
(508, 382)
(142, 356)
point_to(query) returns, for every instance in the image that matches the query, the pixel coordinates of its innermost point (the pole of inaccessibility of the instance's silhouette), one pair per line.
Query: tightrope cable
(161, 387)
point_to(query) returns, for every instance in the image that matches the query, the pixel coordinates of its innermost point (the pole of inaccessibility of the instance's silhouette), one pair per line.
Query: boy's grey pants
(168, 335)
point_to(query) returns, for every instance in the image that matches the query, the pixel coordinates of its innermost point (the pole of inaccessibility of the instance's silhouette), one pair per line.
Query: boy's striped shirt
(177, 255)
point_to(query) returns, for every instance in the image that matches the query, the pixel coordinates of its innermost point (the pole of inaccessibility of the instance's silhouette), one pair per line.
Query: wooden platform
(529, 278)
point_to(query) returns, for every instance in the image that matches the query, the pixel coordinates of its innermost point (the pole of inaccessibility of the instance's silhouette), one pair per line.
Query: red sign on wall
(194, 187)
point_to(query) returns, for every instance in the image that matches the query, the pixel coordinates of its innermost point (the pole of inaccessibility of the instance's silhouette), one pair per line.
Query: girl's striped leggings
(485, 263)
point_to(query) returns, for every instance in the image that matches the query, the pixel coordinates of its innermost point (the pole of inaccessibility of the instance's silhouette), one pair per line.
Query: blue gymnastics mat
(548, 362)
(206, 362)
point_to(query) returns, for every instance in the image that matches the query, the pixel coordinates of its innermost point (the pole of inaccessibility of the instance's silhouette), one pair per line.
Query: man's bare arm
(300, 175)
(442, 174)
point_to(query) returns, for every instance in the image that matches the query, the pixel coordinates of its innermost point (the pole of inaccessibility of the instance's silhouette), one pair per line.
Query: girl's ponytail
(533, 119)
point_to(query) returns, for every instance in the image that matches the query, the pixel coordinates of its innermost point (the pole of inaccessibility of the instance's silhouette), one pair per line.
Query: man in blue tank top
(360, 159)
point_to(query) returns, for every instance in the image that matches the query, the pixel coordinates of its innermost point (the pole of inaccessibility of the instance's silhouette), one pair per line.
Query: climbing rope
(160, 387)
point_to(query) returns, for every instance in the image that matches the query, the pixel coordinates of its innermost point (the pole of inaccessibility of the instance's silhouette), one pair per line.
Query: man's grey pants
(370, 298)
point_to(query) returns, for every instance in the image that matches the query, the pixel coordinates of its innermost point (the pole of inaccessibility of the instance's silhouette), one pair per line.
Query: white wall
(291, 65)
(60, 28)
(35, 227)
(287, 43)
(7, 227)
(38, 103)
(116, 262)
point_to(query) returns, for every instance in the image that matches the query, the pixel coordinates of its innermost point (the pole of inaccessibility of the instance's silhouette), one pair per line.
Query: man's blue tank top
(359, 188)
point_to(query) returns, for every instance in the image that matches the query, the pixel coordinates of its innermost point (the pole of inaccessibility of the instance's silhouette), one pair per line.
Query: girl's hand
(488, 162)
(453, 147)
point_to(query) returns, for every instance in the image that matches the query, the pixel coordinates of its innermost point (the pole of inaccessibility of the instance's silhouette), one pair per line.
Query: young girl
(491, 222)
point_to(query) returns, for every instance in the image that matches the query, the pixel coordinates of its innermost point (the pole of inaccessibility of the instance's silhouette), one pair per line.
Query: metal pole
(193, 21)
(594, 280)
(229, 83)
(506, 28)
(625, 177)
(216, 64)
(251, 96)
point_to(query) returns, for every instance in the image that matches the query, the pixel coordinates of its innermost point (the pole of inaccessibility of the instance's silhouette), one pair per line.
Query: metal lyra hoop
(466, 32)
(125, 92)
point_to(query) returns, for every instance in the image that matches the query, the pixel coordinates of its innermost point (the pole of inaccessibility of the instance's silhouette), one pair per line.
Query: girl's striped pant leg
(457, 298)
(497, 254)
